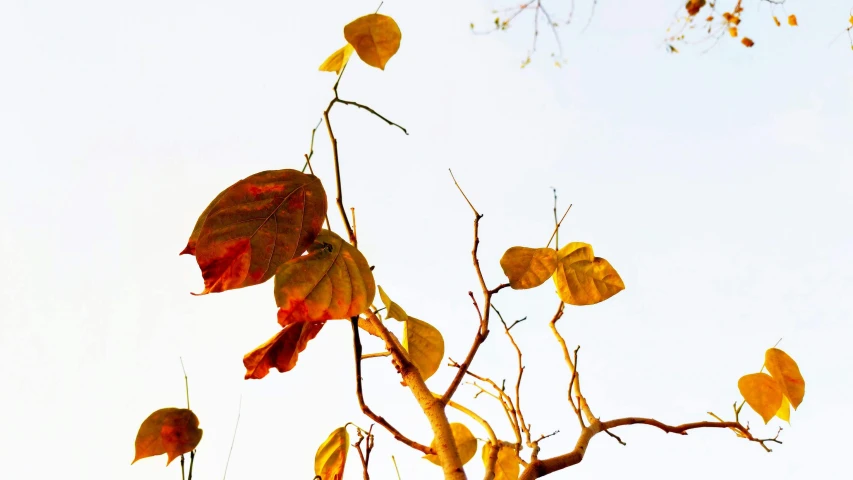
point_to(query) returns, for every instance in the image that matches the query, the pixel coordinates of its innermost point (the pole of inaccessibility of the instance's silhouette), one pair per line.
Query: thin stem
(558, 226)
(395, 467)
(524, 427)
(233, 437)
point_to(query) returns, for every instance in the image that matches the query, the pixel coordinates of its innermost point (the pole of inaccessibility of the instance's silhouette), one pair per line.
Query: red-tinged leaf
(256, 225)
(173, 431)
(331, 457)
(282, 350)
(332, 281)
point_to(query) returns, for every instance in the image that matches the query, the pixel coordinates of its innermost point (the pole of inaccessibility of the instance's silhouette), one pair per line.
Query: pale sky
(718, 185)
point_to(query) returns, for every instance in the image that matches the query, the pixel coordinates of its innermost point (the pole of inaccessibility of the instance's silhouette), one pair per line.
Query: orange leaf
(528, 267)
(693, 6)
(584, 279)
(375, 37)
(282, 350)
(792, 20)
(747, 42)
(785, 371)
(777, 22)
(331, 457)
(762, 393)
(256, 225)
(173, 431)
(332, 281)
(733, 31)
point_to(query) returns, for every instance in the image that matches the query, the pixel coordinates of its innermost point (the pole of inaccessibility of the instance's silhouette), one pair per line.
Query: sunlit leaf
(375, 37)
(762, 393)
(332, 281)
(507, 465)
(424, 344)
(282, 350)
(792, 20)
(466, 444)
(584, 279)
(256, 225)
(784, 411)
(747, 42)
(528, 267)
(331, 457)
(392, 310)
(785, 371)
(337, 60)
(173, 431)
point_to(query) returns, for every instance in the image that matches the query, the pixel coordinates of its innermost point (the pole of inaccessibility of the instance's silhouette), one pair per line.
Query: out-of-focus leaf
(332, 281)
(424, 344)
(528, 267)
(785, 371)
(584, 279)
(173, 431)
(792, 20)
(466, 444)
(762, 393)
(776, 21)
(337, 60)
(693, 6)
(375, 37)
(331, 457)
(747, 42)
(282, 350)
(254, 226)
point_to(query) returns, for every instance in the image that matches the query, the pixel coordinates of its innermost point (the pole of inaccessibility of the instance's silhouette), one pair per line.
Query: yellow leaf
(762, 393)
(375, 37)
(392, 310)
(777, 22)
(583, 279)
(792, 20)
(733, 31)
(784, 411)
(337, 60)
(331, 457)
(507, 466)
(173, 431)
(747, 42)
(851, 19)
(424, 344)
(528, 267)
(787, 374)
(466, 444)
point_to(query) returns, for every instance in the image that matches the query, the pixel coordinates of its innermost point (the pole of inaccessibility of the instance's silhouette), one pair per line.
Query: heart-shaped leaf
(375, 37)
(507, 466)
(528, 267)
(584, 279)
(424, 344)
(762, 393)
(466, 444)
(331, 457)
(282, 350)
(785, 371)
(173, 431)
(332, 281)
(256, 225)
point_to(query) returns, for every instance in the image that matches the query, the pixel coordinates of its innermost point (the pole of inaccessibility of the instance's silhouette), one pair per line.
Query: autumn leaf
(792, 20)
(785, 371)
(392, 310)
(173, 431)
(776, 21)
(784, 411)
(282, 350)
(747, 42)
(332, 281)
(528, 267)
(375, 37)
(693, 6)
(583, 279)
(331, 457)
(733, 31)
(466, 444)
(256, 225)
(337, 60)
(424, 344)
(507, 466)
(762, 393)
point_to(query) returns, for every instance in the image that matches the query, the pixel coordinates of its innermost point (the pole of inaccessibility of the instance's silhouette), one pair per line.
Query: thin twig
(395, 467)
(524, 427)
(558, 226)
(233, 437)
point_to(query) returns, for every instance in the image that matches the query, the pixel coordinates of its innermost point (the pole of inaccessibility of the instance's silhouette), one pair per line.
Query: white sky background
(719, 186)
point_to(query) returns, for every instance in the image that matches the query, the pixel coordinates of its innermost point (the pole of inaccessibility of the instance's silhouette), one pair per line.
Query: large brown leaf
(282, 350)
(332, 281)
(254, 226)
(173, 431)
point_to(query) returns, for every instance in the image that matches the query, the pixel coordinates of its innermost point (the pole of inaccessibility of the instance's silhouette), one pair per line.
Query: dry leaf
(392, 310)
(747, 42)
(507, 466)
(173, 431)
(375, 37)
(424, 344)
(583, 279)
(528, 267)
(762, 393)
(331, 457)
(337, 60)
(466, 444)
(693, 6)
(785, 371)
(282, 350)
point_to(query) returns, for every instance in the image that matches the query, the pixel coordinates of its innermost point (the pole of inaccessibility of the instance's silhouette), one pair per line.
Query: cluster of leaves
(774, 394)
